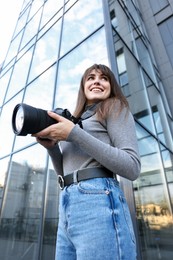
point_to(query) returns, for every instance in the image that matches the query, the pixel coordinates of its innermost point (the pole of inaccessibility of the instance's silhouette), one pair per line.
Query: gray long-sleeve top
(111, 143)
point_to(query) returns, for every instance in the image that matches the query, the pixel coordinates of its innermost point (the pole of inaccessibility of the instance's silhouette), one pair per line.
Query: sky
(9, 12)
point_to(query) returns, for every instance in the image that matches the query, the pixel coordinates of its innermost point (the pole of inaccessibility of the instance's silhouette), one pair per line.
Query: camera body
(30, 120)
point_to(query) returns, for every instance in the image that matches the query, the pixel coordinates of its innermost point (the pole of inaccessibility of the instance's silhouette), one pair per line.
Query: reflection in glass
(50, 8)
(51, 215)
(79, 22)
(4, 84)
(19, 76)
(72, 66)
(22, 207)
(153, 202)
(22, 20)
(6, 132)
(38, 94)
(158, 5)
(14, 46)
(46, 51)
(31, 29)
(3, 172)
(134, 89)
(145, 59)
(35, 7)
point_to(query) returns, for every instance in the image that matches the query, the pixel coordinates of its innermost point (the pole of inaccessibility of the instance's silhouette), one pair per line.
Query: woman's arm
(56, 157)
(121, 157)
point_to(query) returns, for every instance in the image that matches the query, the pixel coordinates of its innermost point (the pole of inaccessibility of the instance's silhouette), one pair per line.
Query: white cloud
(9, 12)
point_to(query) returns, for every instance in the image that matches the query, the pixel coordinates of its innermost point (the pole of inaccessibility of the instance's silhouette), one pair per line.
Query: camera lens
(19, 120)
(30, 120)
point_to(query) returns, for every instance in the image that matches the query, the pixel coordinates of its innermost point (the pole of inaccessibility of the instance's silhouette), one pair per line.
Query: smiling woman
(87, 158)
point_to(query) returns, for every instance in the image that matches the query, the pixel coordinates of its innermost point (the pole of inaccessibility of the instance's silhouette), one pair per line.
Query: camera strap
(90, 111)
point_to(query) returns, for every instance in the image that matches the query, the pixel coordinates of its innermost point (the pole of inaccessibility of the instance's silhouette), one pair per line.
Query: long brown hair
(104, 107)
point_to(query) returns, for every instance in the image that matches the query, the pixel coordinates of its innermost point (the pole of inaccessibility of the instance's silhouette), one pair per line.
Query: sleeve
(56, 157)
(121, 157)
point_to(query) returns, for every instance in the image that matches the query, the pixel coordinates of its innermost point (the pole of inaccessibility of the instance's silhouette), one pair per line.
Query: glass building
(53, 43)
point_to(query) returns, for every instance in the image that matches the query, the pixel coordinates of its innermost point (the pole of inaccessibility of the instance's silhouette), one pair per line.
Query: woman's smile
(97, 87)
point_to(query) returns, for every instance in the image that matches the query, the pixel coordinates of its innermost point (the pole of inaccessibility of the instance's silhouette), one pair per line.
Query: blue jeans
(94, 222)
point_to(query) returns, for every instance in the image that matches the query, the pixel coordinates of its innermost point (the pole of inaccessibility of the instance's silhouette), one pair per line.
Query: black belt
(84, 174)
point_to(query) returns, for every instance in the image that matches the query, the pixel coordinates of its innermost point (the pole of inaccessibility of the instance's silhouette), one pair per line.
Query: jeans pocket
(93, 186)
(127, 217)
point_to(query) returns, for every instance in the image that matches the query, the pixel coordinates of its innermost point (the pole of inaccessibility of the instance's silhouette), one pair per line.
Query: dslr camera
(30, 120)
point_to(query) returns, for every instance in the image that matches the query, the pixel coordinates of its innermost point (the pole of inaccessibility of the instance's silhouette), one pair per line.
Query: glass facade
(53, 43)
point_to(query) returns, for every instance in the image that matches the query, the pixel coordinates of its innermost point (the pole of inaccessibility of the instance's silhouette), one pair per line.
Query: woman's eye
(105, 78)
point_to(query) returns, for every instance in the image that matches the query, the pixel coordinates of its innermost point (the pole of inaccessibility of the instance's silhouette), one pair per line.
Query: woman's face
(96, 87)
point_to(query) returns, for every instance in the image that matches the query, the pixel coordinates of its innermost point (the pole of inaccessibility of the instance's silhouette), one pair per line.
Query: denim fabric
(94, 222)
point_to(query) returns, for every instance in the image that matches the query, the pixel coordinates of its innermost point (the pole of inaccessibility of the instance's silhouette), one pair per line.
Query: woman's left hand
(56, 132)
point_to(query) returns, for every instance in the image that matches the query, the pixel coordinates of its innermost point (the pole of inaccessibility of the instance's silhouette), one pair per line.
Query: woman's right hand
(47, 143)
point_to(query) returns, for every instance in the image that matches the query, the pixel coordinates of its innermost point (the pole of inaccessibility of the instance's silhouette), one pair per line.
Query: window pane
(39, 94)
(78, 23)
(46, 51)
(6, 132)
(72, 66)
(31, 29)
(51, 216)
(50, 8)
(19, 75)
(166, 32)
(153, 202)
(3, 175)
(158, 5)
(4, 84)
(21, 213)
(14, 46)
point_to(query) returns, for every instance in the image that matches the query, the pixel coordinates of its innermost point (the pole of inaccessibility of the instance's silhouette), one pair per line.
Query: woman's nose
(97, 81)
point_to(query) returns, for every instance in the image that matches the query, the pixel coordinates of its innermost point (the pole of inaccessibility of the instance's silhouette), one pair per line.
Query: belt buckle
(61, 182)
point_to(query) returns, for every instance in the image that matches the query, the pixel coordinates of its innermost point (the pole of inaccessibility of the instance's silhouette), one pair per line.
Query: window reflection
(72, 66)
(145, 59)
(51, 215)
(78, 23)
(21, 213)
(167, 158)
(160, 117)
(22, 21)
(6, 132)
(165, 29)
(158, 5)
(153, 202)
(4, 85)
(39, 94)
(132, 83)
(3, 172)
(31, 29)
(14, 46)
(50, 8)
(19, 75)
(35, 7)
(46, 51)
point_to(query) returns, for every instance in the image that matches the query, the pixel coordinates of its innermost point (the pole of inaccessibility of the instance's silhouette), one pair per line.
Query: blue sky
(9, 12)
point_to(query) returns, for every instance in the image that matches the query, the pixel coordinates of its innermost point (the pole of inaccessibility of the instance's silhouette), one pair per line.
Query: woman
(94, 219)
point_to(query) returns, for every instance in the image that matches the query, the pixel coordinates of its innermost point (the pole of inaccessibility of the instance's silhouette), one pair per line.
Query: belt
(84, 174)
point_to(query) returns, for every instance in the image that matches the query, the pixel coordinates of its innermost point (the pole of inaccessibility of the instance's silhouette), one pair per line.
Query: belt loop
(75, 176)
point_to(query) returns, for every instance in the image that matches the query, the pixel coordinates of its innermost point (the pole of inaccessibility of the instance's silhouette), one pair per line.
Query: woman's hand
(49, 136)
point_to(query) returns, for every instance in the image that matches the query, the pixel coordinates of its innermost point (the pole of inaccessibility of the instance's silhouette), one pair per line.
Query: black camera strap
(90, 111)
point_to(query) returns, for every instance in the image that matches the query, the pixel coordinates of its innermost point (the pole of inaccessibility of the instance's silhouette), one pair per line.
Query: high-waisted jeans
(94, 222)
